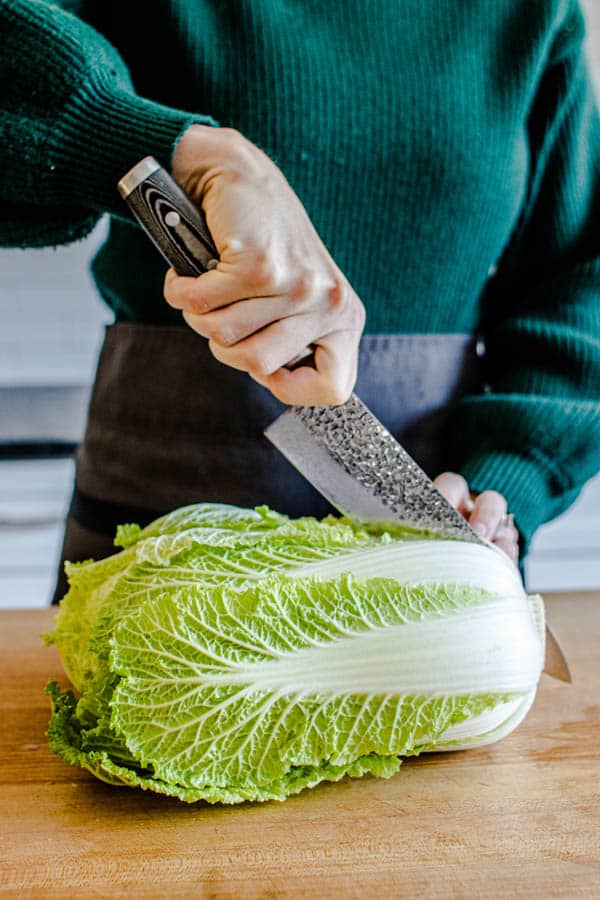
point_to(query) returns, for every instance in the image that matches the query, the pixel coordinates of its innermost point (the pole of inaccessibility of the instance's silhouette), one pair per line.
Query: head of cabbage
(230, 654)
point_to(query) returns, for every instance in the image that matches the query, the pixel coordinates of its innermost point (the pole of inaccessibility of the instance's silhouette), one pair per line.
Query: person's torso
(402, 127)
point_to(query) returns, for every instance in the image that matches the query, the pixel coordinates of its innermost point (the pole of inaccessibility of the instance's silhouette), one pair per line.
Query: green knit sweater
(448, 154)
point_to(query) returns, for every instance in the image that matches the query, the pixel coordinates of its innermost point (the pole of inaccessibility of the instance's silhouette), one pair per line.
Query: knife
(343, 451)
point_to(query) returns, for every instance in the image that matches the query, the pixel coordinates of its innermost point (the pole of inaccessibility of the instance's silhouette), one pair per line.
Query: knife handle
(175, 225)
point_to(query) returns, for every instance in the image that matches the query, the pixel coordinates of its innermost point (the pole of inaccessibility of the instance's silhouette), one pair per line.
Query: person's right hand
(276, 289)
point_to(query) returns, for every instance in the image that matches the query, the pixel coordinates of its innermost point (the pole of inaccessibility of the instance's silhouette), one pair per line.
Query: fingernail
(480, 528)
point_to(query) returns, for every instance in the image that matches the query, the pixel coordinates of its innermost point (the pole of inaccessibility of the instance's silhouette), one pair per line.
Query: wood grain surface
(517, 819)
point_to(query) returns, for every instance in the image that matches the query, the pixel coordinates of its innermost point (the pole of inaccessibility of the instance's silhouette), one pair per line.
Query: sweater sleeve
(71, 125)
(534, 434)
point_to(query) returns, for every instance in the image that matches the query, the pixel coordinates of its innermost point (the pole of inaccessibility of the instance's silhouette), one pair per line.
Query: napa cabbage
(228, 654)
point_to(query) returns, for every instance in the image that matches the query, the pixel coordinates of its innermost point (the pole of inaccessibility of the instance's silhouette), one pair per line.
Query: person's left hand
(486, 513)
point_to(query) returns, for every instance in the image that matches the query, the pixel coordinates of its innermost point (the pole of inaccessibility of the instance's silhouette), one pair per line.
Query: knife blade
(361, 469)
(343, 451)
(364, 472)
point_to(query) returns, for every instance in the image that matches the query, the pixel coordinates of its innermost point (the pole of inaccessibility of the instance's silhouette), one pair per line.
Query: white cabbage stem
(501, 645)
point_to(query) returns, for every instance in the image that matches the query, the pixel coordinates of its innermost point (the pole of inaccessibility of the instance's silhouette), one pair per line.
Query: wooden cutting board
(518, 819)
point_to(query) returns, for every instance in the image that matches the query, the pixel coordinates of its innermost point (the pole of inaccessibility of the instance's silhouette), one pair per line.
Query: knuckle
(257, 362)
(191, 301)
(265, 274)
(336, 295)
(198, 306)
(306, 284)
(233, 145)
(239, 144)
(221, 333)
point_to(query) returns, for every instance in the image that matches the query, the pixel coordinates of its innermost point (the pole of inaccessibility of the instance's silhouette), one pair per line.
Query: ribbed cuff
(102, 134)
(522, 481)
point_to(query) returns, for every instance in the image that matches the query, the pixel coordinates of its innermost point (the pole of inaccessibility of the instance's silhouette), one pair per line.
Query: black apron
(168, 425)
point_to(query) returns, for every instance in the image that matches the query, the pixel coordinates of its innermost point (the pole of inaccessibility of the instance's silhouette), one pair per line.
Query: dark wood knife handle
(174, 224)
